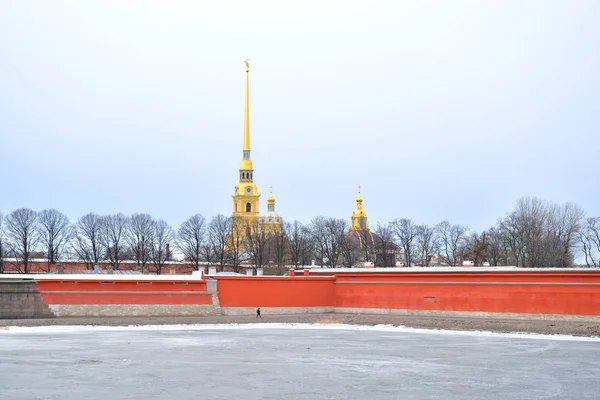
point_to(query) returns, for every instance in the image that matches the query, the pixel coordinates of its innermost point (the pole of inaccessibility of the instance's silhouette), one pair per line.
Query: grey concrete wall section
(21, 299)
(468, 314)
(211, 285)
(136, 310)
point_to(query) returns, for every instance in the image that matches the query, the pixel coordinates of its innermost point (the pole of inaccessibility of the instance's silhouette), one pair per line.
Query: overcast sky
(439, 110)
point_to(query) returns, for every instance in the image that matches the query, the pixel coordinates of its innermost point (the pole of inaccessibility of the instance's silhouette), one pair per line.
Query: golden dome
(246, 165)
(359, 212)
(271, 199)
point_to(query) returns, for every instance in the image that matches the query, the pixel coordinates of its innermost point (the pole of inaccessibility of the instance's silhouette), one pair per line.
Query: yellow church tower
(359, 216)
(245, 197)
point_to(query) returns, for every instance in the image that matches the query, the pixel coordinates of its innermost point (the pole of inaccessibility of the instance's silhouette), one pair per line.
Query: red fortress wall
(506, 293)
(73, 291)
(242, 295)
(510, 292)
(514, 293)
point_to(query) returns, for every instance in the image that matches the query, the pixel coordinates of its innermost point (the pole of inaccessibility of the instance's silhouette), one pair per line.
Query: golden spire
(247, 110)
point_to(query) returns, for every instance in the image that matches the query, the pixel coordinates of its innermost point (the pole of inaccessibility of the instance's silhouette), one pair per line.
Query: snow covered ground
(292, 361)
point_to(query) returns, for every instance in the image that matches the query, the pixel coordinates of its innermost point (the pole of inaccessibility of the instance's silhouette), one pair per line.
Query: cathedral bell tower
(245, 197)
(359, 216)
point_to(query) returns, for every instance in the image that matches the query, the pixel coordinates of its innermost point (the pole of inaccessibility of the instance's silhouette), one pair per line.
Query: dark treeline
(536, 234)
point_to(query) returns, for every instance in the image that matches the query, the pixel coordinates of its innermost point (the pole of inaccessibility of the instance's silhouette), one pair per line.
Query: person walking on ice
(258, 313)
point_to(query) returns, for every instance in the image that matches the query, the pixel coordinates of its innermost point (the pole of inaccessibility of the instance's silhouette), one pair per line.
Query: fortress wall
(276, 295)
(118, 295)
(491, 297)
(508, 294)
(476, 277)
(563, 292)
(107, 291)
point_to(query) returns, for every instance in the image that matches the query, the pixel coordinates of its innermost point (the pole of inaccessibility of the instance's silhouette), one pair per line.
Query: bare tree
(475, 248)
(54, 233)
(451, 238)
(497, 249)
(532, 216)
(510, 230)
(278, 249)
(367, 245)
(237, 245)
(218, 230)
(161, 235)
(385, 249)
(589, 238)
(541, 234)
(255, 243)
(87, 239)
(329, 234)
(299, 242)
(113, 235)
(351, 249)
(426, 244)
(318, 237)
(22, 232)
(406, 232)
(2, 243)
(191, 240)
(565, 223)
(206, 251)
(139, 237)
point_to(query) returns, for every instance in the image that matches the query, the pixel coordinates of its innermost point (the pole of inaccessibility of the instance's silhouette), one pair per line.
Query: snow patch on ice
(299, 326)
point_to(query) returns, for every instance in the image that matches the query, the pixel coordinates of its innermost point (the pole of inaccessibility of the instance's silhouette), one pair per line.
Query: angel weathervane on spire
(247, 62)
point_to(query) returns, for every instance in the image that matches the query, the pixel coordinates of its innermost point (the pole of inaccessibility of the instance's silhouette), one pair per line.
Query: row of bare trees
(536, 233)
(93, 239)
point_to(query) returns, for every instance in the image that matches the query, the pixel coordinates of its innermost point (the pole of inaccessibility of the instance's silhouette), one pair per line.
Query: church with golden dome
(246, 196)
(250, 228)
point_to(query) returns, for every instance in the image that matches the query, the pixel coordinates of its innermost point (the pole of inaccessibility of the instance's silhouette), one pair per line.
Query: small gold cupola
(359, 215)
(271, 200)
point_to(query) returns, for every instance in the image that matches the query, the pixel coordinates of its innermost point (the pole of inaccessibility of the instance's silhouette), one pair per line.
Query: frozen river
(292, 362)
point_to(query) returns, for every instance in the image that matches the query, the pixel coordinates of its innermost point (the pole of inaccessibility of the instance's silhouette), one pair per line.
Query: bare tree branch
(54, 232)
(191, 240)
(86, 239)
(113, 235)
(218, 229)
(161, 236)
(139, 237)
(22, 232)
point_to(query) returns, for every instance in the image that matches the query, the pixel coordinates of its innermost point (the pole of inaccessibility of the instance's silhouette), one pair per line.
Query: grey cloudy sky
(438, 109)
